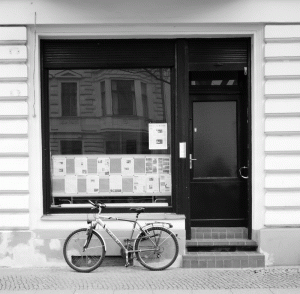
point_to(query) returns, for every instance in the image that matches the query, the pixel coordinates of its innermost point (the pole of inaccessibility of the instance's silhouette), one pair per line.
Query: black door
(219, 155)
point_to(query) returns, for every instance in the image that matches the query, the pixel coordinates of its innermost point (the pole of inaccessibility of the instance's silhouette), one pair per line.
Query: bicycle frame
(100, 222)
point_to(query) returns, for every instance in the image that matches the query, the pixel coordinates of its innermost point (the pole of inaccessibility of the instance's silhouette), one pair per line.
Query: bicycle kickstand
(127, 262)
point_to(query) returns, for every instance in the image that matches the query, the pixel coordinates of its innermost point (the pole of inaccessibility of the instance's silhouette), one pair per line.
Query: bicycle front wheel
(84, 259)
(157, 249)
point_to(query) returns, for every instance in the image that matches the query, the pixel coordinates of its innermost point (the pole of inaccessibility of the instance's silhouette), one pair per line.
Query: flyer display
(111, 175)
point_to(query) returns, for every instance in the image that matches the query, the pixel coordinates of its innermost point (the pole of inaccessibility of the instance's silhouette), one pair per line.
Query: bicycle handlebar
(97, 205)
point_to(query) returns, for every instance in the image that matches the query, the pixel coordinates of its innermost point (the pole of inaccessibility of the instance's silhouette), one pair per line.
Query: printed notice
(92, 184)
(165, 183)
(103, 166)
(164, 165)
(127, 166)
(151, 165)
(59, 166)
(139, 184)
(158, 136)
(115, 183)
(81, 166)
(71, 184)
(152, 184)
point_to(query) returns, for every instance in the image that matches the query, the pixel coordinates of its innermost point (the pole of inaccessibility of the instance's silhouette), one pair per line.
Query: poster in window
(127, 166)
(115, 183)
(103, 166)
(81, 166)
(165, 183)
(139, 184)
(158, 136)
(92, 184)
(59, 166)
(151, 165)
(71, 184)
(164, 165)
(152, 184)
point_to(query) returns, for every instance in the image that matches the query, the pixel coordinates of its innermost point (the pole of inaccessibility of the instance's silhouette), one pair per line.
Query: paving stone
(136, 280)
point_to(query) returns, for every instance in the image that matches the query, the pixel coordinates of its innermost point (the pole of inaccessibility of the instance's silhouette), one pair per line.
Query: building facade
(189, 110)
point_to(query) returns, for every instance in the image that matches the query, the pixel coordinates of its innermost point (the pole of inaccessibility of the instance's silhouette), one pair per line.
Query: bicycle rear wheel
(157, 249)
(80, 259)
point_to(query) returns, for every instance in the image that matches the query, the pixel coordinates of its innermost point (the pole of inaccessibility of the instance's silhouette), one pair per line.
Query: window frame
(47, 190)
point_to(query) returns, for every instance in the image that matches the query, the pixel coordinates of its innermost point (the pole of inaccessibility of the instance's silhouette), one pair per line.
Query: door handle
(240, 171)
(191, 161)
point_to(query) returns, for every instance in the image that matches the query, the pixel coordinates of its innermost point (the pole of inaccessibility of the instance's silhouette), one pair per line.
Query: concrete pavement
(137, 280)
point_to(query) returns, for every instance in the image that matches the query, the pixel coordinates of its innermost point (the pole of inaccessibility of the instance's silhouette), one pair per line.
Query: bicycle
(155, 247)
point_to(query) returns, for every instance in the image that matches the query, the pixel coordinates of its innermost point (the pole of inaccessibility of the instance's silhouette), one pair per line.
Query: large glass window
(110, 136)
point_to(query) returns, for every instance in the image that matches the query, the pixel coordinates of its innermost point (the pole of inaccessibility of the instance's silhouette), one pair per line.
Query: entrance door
(219, 150)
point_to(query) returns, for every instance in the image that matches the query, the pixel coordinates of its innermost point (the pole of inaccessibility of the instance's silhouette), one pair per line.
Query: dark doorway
(219, 148)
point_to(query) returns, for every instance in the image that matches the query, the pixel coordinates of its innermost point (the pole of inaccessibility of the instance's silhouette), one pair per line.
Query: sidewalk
(137, 280)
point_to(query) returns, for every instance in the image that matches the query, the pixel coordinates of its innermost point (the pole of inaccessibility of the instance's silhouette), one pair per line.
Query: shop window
(106, 117)
(127, 153)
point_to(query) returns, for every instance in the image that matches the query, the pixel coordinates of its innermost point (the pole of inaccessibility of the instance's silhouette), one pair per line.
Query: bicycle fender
(101, 239)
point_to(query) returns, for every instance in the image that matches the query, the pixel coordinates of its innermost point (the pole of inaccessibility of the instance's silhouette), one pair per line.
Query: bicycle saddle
(138, 209)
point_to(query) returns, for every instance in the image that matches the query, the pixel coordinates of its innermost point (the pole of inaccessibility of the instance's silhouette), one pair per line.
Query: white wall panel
(283, 199)
(283, 50)
(13, 53)
(14, 183)
(13, 89)
(13, 71)
(282, 106)
(13, 145)
(282, 181)
(282, 162)
(282, 68)
(14, 221)
(16, 164)
(282, 87)
(282, 217)
(8, 127)
(282, 144)
(282, 31)
(282, 124)
(13, 108)
(16, 202)
(13, 33)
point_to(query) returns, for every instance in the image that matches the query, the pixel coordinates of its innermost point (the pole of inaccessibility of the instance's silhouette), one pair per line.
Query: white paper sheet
(80, 165)
(59, 166)
(92, 184)
(158, 135)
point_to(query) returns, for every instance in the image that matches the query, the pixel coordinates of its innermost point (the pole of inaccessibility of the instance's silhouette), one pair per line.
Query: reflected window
(69, 98)
(103, 98)
(70, 147)
(123, 97)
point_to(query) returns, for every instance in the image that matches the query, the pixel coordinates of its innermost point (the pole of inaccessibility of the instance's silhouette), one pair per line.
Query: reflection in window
(99, 135)
(103, 98)
(123, 97)
(69, 99)
(70, 147)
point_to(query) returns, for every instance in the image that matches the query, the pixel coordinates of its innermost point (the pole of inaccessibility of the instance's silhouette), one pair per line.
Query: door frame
(182, 127)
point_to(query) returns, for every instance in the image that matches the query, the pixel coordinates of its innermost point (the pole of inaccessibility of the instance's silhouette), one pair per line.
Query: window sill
(83, 217)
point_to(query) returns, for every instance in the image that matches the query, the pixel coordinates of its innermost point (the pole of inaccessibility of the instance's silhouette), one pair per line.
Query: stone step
(220, 245)
(223, 260)
(219, 233)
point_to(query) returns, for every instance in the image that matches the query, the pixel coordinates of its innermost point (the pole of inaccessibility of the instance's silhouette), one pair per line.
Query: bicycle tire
(161, 247)
(88, 260)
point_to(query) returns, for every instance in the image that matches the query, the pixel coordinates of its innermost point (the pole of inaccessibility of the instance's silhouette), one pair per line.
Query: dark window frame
(46, 65)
